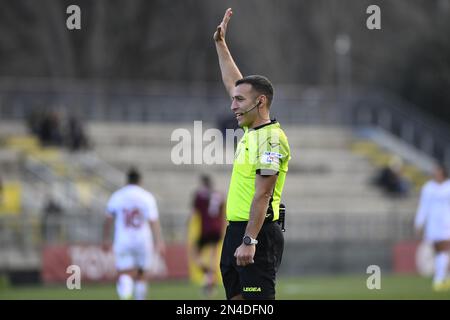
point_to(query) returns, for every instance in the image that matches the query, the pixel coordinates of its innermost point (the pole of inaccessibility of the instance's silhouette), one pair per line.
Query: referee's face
(243, 105)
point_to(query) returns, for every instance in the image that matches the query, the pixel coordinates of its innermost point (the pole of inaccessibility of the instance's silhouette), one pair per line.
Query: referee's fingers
(239, 260)
(243, 261)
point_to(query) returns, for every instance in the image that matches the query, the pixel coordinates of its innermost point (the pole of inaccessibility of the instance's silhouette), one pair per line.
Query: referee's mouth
(240, 118)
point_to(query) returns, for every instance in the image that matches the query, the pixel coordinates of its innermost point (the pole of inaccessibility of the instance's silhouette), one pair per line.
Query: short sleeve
(422, 210)
(271, 153)
(151, 209)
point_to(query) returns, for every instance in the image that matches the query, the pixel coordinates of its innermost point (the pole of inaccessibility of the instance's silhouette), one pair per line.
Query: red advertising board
(97, 264)
(413, 257)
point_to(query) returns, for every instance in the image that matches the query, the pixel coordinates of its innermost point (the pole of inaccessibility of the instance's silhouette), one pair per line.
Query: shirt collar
(272, 121)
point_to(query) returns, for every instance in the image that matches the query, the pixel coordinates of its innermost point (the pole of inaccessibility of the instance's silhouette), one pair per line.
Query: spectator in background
(50, 129)
(391, 180)
(210, 206)
(46, 125)
(433, 220)
(52, 211)
(34, 120)
(76, 137)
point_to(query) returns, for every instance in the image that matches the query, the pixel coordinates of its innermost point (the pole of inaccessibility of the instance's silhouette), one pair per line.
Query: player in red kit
(210, 206)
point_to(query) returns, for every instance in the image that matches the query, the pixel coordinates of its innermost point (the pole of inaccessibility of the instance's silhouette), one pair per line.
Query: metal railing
(159, 102)
(403, 120)
(186, 102)
(313, 243)
(80, 227)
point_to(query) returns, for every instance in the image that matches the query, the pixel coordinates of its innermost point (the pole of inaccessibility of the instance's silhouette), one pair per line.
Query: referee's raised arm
(228, 68)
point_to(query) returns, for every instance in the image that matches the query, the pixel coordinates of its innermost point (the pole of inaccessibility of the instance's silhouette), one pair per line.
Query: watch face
(247, 240)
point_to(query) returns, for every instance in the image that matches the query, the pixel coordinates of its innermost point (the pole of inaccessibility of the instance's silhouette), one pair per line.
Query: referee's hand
(244, 254)
(221, 30)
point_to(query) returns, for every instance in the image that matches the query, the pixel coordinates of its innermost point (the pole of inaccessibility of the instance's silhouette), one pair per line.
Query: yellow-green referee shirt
(262, 150)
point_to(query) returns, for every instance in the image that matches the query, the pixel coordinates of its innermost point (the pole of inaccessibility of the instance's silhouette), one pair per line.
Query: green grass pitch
(288, 288)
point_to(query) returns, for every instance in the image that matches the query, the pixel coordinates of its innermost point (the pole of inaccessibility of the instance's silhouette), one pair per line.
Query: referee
(253, 244)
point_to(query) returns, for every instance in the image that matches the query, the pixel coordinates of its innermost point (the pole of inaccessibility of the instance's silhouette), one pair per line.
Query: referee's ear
(262, 101)
(265, 101)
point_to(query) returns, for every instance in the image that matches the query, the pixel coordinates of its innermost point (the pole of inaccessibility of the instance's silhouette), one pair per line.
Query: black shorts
(206, 239)
(256, 280)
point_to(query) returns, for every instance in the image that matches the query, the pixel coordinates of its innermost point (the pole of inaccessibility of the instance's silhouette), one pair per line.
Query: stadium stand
(336, 220)
(325, 177)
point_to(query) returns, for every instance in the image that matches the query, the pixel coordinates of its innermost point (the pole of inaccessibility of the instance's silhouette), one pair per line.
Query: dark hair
(206, 180)
(443, 168)
(260, 84)
(133, 176)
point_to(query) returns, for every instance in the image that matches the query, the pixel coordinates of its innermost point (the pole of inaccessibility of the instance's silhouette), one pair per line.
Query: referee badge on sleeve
(271, 158)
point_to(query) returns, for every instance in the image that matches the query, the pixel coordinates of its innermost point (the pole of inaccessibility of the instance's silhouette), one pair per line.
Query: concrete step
(8, 128)
(180, 201)
(17, 258)
(294, 185)
(160, 134)
(313, 159)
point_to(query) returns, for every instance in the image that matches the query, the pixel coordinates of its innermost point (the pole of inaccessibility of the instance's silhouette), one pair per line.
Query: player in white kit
(137, 233)
(433, 218)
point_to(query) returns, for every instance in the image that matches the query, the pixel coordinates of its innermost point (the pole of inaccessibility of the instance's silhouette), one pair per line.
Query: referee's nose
(234, 107)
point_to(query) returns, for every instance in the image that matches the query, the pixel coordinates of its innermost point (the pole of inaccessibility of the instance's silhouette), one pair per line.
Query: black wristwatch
(247, 240)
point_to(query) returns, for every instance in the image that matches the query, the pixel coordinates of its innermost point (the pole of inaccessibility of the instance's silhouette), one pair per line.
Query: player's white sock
(140, 290)
(440, 264)
(125, 287)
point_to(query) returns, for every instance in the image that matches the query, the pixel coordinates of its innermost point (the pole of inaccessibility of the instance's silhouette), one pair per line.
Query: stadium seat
(10, 202)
